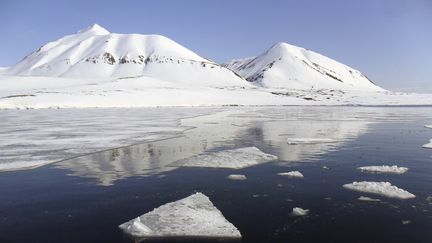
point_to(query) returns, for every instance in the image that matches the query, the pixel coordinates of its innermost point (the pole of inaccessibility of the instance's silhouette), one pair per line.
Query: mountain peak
(95, 29)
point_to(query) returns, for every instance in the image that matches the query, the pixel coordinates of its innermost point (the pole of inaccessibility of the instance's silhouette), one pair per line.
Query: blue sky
(389, 40)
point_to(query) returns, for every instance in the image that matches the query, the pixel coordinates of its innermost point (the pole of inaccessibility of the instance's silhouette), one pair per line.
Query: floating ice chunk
(381, 188)
(428, 145)
(237, 177)
(300, 211)
(406, 222)
(293, 174)
(294, 141)
(368, 199)
(193, 216)
(428, 126)
(231, 159)
(394, 169)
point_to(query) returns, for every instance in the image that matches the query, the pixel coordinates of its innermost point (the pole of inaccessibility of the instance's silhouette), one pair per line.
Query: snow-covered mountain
(292, 67)
(96, 53)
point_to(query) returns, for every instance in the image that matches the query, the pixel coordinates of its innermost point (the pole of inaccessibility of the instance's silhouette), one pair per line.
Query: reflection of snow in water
(213, 132)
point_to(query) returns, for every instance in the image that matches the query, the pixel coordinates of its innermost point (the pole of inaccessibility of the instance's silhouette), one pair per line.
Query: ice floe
(236, 177)
(428, 145)
(300, 211)
(295, 141)
(292, 174)
(381, 188)
(394, 169)
(428, 126)
(368, 199)
(193, 216)
(231, 159)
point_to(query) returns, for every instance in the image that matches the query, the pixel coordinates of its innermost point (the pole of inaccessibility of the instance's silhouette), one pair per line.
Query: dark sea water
(85, 199)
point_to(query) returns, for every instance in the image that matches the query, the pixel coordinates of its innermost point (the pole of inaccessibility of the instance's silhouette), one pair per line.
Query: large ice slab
(381, 188)
(394, 169)
(428, 145)
(295, 141)
(231, 159)
(193, 216)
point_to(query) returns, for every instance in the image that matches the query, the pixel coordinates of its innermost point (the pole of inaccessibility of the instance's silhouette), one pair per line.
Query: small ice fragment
(328, 198)
(231, 159)
(193, 216)
(294, 141)
(381, 188)
(428, 145)
(394, 169)
(368, 199)
(429, 199)
(428, 126)
(406, 222)
(237, 177)
(292, 174)
(325, 167)
(300, 211)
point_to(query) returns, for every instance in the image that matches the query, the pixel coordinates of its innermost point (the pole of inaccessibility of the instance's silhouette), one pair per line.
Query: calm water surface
(85, 199)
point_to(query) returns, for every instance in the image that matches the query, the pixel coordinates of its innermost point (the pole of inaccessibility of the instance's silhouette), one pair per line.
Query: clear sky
(388, 40)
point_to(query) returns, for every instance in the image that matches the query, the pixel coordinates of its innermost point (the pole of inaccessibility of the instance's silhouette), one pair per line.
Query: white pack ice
(394, 169)
(385, 189)
(193, 216)
(231, 159)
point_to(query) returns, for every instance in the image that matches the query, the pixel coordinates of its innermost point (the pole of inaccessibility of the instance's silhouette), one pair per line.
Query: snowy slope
(96, 53)
(292, 67)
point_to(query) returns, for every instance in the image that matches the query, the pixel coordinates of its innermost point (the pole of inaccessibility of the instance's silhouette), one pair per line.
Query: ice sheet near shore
(300, 211)
(295, 141)
(428, 145)
(33, 138)
(292, 174)
(394, 169)
(381, 188)
(237, 177)
(193, 216)
(230, 159)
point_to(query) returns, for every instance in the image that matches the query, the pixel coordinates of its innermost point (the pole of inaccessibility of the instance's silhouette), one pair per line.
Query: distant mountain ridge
(292, 67)
(94, 52)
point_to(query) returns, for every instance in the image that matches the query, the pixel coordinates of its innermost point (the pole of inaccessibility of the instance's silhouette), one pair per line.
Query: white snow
(193, 216)
(368, 199)
(295, 141)
(288, 66)
(300, 211)
(381, 188)
(428, 145)
(231, 159)
(96, 68)
(293, 174)
(237, 177)
(394, 169)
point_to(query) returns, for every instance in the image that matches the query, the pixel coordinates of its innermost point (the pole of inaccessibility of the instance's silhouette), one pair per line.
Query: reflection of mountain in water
(275, 133)
(229, 129)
